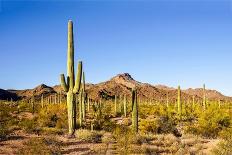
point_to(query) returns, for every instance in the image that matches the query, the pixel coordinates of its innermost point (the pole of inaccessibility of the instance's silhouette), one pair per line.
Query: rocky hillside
(121, 85)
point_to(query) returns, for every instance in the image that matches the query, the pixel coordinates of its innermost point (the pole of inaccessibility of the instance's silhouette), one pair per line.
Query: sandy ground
(73, 146)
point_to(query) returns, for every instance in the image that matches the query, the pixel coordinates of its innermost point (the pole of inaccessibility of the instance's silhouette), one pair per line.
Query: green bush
(210, 123)
(53, 116)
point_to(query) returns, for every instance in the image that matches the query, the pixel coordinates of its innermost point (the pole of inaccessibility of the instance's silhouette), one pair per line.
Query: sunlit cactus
(179, 104)
(83, 96)
(69, 85)
(124, 106)
(115, 105)
(204, 97)
(134, 111)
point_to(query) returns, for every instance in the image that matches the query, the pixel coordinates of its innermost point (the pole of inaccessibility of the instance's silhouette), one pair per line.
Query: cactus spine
(179, 104)
(134, 111)
(71, 86)
(204, 97)
(125, 108)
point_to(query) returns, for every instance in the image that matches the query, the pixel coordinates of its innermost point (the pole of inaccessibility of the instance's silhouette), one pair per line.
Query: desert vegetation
(75, 122)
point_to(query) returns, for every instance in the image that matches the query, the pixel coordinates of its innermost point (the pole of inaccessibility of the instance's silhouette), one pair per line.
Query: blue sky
(167, 42)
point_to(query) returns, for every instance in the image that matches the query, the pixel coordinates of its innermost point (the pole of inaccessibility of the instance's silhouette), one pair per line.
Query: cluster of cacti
(71, 86)
(134, 111)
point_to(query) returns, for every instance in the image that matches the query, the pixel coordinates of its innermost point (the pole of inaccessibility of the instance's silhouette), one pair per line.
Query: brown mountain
(121, 85)
(7, 95)
(37, 91)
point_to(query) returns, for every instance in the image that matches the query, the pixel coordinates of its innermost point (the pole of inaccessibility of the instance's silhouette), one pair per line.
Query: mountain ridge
(119, 85)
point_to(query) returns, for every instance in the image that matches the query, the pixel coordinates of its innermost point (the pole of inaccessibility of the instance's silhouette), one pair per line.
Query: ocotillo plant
(134, 111)
(179, 103)
(71, 86)
(204, 97)
(124, 107)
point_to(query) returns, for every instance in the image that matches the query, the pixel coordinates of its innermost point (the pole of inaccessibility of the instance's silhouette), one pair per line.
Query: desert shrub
(52, 131)
(23, 106)
(224, 147)
(53, 116)
(40, 146)
(88, 136)
(210, 123)
(108, 125)
(7, 119)
(108, 138)
(30, 126)
(148, 125)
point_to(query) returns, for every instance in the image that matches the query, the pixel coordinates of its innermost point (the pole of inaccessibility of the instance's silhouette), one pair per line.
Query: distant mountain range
(119, 85)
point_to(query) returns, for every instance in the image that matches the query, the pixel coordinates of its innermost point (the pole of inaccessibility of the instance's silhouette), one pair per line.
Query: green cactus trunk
(83, 97)
(125, 108)
(71, 86)
(179, 103)
(219, 104)
(167, 102)
(134, 111)
(42, 101)
(33, 105)
(80, 107)
(115, 105)
(204, 98)
(88, 104)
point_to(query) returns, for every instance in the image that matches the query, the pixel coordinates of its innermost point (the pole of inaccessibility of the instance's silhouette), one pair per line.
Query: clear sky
(167, 42)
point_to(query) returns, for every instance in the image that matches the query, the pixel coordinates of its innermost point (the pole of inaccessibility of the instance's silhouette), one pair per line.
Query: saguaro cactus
(134, 111)
(115, 105)
(70, 86)
(84, 96)
(42, 101)
(80, 107)
(124, 108)
(167, 101)
(204, 97)
(179, 104)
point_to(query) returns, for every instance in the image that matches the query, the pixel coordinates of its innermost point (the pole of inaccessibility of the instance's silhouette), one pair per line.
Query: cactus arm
(63, 83)
(78, 78)
(83, 78)
(70, 58)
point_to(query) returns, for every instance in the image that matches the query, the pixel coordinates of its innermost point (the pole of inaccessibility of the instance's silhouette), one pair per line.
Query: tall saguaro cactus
(134, 111)
(124, 105)
(70, 85)
(84, 96)
(204, 97)
(179, 104)
(115, 105)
